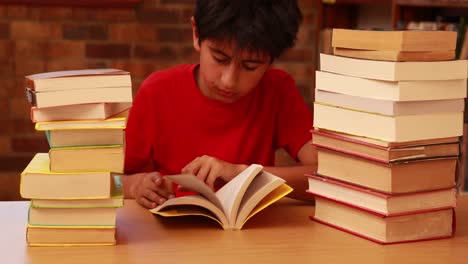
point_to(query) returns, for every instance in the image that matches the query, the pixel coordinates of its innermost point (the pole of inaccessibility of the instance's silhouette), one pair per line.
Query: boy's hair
(255, 25)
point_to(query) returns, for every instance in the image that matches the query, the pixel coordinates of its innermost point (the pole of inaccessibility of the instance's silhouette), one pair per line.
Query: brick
(297, 70)
(6, 85)
(26, 49)
(4, 30)
(49, 13)
(297, 54)
(306, 4)
(18, 91)
(7, 48)
(4, 106)
(7, 68)
(136, 70)
(3, 10)
(17, 11)
(180, 2)
(19, 107)
(65, 65)
(190, 55)
(29, 144)
(116, 15)
(155, 51)
(309, 18)
(175, 34)
(305, 37)
(160, 15)
(133, 32)
(187, 13)
(78, 31)
(65, 49)
(22, 126)
(5, 146)
(304, 89)
(110, 51)
(35, 30)
(27, 67)
(84, 14)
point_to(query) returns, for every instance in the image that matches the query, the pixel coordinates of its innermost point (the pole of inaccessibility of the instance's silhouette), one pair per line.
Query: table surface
(282, 232)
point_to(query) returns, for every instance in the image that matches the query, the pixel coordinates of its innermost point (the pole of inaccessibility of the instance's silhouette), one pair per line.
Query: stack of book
(387, 134)
(74, 189)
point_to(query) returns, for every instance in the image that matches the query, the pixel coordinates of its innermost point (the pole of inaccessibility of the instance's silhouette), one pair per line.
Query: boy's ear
(196, 39)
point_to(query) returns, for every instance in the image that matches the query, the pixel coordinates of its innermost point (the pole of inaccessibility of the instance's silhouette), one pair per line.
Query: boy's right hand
(151, 189)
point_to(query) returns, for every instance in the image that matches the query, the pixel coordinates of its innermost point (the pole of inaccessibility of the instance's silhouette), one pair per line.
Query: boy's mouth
(225, 94)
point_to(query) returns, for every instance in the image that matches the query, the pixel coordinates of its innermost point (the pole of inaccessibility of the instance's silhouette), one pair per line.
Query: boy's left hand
(208, 169)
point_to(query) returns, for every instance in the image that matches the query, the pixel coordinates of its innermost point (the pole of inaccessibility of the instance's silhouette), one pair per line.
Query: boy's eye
(250, 66)
(220, 60)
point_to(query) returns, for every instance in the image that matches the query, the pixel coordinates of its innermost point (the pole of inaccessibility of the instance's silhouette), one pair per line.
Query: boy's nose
(229, 78)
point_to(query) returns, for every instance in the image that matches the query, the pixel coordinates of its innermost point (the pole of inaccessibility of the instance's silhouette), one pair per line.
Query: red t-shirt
(172, 122)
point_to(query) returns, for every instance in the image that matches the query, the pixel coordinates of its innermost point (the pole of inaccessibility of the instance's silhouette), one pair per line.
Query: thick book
(395, 71)
(395, 55)
(389, 107)
(96, 111)
(392, 178)
(70, 236)
(72, 216)
(116, 122)
(406, 40)
(78, 79)
(385, 229)
(38, 182)
(87, 158)
(390, 144)
(115, 200)
(361, 147)
(233, 204)
(388, 127)
(79, 96)
(391, 90)
(84, 137)
(381, 203)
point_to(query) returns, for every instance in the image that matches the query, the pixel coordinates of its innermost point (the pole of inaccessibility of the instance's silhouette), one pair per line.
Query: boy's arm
(294, 175)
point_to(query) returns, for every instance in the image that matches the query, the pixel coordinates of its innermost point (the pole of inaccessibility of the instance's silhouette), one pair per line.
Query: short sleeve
(294, 118)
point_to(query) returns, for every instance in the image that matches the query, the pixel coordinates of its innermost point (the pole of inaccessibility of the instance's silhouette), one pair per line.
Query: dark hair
(255, 25)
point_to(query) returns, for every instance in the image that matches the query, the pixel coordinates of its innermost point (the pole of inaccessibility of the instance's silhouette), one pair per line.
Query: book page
(174, 209)
(191, 182)
(261, 185)
(230, 195)
(271, 197)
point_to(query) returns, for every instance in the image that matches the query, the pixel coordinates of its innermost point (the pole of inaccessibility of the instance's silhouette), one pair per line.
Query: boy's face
(226, 74)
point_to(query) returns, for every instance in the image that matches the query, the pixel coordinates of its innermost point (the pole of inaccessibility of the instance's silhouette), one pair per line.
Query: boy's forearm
(294, 177)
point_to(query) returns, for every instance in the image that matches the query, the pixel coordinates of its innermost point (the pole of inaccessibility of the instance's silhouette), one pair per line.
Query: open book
(232, 205)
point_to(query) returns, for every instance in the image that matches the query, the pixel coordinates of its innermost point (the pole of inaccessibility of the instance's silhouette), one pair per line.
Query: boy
(215, 118)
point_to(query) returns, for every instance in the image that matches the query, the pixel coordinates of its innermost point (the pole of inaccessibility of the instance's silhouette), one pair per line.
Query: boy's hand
(151, 189)
(208, 169)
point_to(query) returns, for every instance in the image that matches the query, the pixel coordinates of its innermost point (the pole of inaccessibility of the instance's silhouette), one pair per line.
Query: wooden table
(281, 233)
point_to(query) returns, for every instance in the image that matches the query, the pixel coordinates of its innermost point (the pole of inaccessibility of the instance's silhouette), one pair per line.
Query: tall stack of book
(75, 189)
(387, 120)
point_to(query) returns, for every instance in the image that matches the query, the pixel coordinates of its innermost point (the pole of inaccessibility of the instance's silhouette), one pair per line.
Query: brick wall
(155, 34)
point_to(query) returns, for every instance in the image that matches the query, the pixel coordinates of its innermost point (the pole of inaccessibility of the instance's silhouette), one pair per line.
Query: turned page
(191, 182)
(231, 193)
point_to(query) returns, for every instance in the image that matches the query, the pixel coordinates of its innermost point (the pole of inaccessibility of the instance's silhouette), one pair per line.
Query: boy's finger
(153, 196)
(146, 203)
(212, 176)
(203, 172)
(192, 167)
(155, 178)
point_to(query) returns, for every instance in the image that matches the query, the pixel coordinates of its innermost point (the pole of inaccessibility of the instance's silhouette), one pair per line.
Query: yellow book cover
(38, 182)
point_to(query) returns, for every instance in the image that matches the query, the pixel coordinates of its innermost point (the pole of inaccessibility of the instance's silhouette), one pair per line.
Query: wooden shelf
(74, 3)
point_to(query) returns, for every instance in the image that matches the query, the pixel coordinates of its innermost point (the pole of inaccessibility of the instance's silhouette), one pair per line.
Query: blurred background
(141, 36)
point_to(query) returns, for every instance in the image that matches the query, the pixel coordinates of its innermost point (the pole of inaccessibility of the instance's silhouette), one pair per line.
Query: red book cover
(385, 196)
(383, 216)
